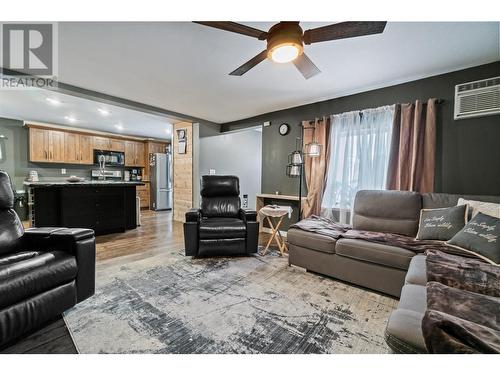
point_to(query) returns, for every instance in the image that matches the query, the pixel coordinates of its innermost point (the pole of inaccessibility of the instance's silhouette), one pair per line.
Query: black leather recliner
(43, 271)
(220, 227)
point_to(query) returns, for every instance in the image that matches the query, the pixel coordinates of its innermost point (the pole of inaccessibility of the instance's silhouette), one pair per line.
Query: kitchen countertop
(83, 183)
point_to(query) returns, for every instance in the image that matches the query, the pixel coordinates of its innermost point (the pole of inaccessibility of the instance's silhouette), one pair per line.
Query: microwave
(111, 158)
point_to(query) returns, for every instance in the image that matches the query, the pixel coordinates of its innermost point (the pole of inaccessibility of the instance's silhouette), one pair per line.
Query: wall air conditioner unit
(477, 99)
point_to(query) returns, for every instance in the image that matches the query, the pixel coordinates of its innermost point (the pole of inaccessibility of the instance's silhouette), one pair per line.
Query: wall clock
(284, 129)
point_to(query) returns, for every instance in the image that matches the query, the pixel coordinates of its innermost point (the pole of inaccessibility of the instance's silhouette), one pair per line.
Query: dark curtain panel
(413, 147)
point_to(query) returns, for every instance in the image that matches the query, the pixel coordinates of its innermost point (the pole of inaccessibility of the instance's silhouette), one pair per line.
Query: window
(359, 155)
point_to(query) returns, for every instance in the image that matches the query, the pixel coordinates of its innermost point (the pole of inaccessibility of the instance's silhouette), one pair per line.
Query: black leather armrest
(248, 215)
(55, 237)
(193, 215)
(76, 241)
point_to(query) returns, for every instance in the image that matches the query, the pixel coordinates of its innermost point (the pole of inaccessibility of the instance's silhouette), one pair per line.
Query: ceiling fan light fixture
(286, 52)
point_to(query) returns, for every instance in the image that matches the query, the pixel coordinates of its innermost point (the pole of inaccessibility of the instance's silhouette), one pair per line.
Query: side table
(276, 213)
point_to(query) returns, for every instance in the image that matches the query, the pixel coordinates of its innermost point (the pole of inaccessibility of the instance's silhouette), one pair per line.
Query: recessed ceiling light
(70, 118)
(53, 101)
(104, 112)
(119, 126)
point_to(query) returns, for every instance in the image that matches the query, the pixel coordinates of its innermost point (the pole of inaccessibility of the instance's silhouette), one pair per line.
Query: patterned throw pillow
(480, 237)
(441, 223)
(492, 209)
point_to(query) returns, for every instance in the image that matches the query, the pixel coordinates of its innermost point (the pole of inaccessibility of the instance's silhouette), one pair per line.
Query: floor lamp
(294, 169)
(295, 166)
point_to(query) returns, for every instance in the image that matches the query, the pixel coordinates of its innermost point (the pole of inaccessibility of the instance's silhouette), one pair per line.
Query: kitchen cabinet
(106, 208)
(86, 150)
(117, 145)
(157, 148)
(78, 149)
(101, 143)
(46, 145)
(143, 193)
(134, 154)
(72, 146)
(108, 144)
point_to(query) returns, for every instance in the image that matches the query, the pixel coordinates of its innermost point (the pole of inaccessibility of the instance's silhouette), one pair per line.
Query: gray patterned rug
(175, 304)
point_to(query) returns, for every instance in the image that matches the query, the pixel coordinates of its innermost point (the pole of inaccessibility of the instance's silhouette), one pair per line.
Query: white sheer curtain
(359, 155)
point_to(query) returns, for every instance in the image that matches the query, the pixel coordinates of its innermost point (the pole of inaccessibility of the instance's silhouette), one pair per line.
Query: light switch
(63, 170)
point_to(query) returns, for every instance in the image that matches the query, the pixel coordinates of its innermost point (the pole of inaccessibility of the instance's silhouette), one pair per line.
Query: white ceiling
(184, 67)
(33, 105)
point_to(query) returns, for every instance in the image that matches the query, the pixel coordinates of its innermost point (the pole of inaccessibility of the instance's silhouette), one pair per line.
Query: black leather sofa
(43, 271)
(220, 226)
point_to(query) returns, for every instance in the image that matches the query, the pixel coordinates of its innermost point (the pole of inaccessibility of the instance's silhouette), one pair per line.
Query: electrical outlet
(63, 170)
(211, 172)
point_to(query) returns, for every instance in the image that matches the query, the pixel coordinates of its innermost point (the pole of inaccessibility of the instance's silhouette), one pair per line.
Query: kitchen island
(104, 206)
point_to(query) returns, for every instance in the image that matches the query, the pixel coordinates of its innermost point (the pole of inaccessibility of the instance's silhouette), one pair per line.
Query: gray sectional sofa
(388, 269)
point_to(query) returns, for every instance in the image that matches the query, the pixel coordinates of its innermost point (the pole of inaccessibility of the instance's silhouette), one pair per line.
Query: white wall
(236, 153)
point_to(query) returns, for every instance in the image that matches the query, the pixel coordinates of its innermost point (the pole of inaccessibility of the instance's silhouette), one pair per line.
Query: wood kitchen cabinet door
(56, 146)
(117, 145)
(86, 150)
(158, 148)
(39, 145)
(101, 143)
(130, 153)
(139, 154)
(71, 148)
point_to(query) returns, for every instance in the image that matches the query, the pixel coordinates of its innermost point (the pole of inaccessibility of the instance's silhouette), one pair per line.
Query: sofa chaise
(389, 269)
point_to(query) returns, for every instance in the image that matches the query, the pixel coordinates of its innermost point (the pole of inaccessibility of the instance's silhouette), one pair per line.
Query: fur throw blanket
(463, 305)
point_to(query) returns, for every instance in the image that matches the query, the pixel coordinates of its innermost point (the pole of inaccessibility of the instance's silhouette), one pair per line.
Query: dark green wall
(468, 151)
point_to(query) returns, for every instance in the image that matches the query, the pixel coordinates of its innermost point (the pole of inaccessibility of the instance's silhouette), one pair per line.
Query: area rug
(175, 304)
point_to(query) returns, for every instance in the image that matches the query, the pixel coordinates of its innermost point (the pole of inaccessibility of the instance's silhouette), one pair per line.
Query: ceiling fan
(285, 41)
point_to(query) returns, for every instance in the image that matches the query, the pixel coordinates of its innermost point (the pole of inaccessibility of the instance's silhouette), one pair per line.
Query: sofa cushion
(414, 298)
(31, 273)
(417, 271)
(372, 252)
(387, 211)
(440, 200)
(311, 240)
(220, 227)
(404, 332)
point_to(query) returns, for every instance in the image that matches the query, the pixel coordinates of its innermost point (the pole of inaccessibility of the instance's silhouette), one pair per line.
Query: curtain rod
(438, 101)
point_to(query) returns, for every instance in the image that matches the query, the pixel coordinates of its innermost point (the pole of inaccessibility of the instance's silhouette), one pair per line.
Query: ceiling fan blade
(249, 64)
(306, 66)
(235, 28)
(343, 30)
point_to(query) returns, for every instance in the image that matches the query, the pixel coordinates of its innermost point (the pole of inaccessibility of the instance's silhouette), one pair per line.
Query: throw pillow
(488, 208)
(441, 223)
(480, 237)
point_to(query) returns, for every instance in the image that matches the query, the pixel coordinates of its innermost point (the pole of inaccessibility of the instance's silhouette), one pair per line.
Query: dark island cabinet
(105, 209)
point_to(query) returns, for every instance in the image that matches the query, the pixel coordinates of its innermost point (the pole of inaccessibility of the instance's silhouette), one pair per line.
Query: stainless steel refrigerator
(161, 181)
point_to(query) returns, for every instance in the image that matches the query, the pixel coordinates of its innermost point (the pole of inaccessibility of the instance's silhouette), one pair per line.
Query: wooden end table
(276, 214)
